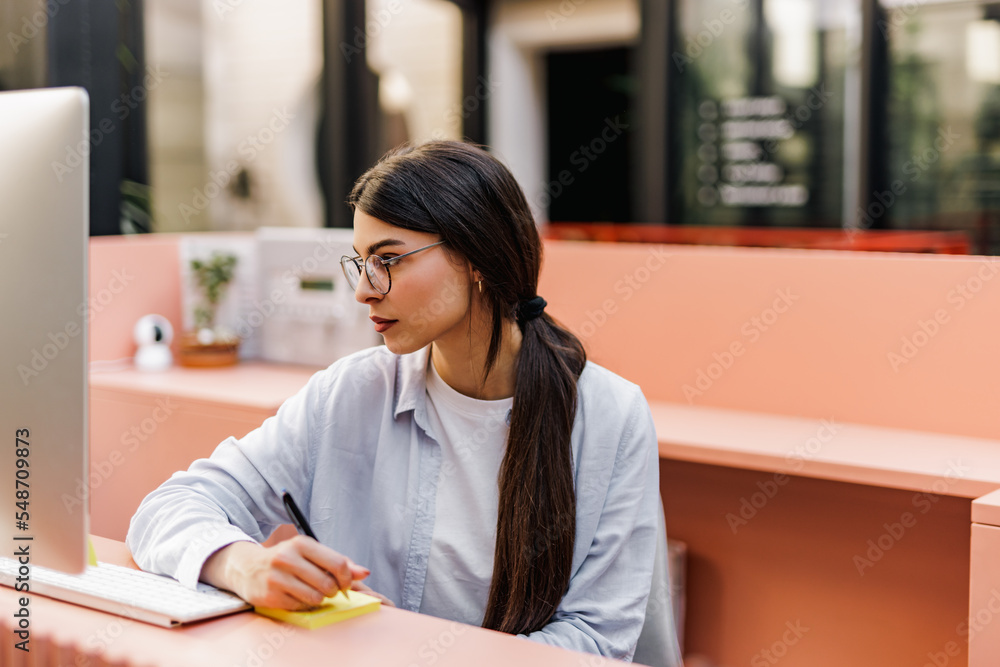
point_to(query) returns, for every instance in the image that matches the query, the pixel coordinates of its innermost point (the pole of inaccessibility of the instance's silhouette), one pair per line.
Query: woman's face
(429, 299)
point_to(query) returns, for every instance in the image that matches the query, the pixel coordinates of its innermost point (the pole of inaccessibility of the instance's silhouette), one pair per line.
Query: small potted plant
(209, 344)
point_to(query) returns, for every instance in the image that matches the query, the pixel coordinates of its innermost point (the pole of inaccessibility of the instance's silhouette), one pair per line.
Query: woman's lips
(381, 324)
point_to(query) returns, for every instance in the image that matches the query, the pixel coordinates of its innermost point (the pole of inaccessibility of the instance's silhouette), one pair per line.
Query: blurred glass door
(760, 111)
(943, 119)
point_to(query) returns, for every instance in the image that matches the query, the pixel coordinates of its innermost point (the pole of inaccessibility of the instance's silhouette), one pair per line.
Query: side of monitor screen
(44, 213)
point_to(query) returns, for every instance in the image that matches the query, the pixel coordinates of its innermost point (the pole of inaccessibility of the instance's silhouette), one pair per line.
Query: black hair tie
(530, 309)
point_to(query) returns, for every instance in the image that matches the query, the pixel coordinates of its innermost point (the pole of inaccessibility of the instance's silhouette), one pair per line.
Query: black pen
(300, 522)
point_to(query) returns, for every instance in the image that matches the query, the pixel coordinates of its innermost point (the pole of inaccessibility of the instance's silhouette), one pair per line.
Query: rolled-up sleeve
(604, 609)
(234, 494)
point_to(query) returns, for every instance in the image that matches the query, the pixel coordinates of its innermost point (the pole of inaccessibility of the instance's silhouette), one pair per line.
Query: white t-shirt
(473, 437)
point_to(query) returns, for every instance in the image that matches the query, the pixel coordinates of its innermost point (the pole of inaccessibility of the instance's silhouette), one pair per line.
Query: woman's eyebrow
(378, 245)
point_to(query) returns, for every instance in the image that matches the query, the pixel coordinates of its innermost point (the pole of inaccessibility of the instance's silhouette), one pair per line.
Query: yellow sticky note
(332, 610)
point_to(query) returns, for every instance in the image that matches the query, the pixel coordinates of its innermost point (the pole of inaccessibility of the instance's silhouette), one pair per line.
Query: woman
(480, 467)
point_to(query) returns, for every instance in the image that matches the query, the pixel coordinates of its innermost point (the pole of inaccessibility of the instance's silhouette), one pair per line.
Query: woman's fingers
(357, 571)
(294, 574)
(330, 571)
(364, 588)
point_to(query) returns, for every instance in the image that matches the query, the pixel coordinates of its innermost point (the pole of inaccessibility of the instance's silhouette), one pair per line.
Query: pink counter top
(945, 464)
(253, 384)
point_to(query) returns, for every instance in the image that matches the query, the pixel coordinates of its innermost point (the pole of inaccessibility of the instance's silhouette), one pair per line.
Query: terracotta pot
(219, 353)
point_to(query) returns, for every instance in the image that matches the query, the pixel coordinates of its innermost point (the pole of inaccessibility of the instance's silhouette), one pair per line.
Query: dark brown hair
(467, 197)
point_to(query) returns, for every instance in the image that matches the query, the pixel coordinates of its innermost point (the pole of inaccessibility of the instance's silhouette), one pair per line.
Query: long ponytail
(536, 523)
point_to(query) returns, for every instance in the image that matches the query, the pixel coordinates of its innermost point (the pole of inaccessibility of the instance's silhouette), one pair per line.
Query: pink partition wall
(130, 276)
(888, 339)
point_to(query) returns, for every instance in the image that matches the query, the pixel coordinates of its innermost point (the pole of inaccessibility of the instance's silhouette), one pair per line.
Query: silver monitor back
(44, 214)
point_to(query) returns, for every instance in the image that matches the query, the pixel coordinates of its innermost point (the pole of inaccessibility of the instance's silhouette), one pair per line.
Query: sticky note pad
(332, 610)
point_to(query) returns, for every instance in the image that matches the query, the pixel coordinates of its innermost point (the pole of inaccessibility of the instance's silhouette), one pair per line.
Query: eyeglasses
(376, 267)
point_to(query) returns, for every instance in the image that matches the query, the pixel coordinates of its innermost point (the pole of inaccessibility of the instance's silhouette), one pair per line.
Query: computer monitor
(44, 180)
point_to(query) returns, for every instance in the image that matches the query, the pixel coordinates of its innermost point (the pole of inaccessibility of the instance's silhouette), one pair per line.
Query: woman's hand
(295, 574)
(363, 588)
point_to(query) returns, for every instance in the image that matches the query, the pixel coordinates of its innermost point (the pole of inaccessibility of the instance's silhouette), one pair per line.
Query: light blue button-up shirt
(355, 450)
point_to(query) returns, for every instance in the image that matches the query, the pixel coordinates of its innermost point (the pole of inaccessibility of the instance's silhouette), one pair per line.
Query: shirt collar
(411, 381)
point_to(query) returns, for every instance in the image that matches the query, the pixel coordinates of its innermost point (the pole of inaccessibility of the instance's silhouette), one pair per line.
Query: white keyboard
(127, 592)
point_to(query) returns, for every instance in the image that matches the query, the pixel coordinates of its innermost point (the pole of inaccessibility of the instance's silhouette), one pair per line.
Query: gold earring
(480, 286)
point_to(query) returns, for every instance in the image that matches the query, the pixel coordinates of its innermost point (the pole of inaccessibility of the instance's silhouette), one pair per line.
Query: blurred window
(760, 112)
(943, 119)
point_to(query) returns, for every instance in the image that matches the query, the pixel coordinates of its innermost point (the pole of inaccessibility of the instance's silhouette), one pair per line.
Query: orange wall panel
(788, 557)
(807, 333)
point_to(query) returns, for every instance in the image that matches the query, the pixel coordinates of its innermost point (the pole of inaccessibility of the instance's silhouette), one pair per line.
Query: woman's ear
(477, 280)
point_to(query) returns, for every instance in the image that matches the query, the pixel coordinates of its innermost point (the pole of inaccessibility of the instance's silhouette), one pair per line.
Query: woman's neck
(460, 363)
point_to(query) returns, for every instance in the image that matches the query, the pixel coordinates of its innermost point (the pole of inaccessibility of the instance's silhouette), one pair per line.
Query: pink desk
(65, 634)
(883, 542)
